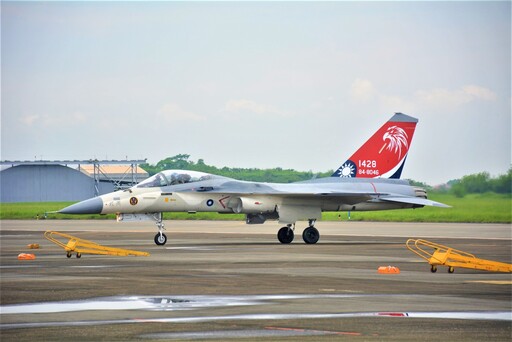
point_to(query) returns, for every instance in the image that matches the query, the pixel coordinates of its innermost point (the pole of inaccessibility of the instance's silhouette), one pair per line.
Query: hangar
(65, 180)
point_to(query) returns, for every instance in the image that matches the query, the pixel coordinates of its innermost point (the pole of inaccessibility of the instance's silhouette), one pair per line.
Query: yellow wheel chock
(439, 255)
(81, 246)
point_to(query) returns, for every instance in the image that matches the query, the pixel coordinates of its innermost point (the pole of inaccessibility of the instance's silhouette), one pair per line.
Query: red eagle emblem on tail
(396, 139)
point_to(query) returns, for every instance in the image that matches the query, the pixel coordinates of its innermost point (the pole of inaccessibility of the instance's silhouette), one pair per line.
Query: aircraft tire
(285, 235)
(310, 235)
(160, 240)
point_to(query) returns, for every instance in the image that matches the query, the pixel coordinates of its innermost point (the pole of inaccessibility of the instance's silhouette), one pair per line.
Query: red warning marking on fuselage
(221, 201)
(374, 188)
(393, 314)
(327, 332)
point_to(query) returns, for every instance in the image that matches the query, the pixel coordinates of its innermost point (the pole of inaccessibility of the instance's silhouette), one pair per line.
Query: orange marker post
(26, 256)
(388, 270)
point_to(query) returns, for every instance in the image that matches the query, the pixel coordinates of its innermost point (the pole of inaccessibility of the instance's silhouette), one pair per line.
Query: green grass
(476, 208)
(34, 210)
(40, 210)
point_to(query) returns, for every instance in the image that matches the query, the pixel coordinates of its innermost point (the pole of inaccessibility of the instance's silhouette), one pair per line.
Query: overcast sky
(257, 84)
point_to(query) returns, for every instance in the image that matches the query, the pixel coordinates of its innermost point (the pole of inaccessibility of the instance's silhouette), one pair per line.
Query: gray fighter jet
(357, 185)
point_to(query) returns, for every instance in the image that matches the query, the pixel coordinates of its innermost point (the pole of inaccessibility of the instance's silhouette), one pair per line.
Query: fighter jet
(359, 184)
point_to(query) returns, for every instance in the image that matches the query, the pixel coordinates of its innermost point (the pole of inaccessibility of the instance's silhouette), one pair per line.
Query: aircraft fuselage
(226, 195)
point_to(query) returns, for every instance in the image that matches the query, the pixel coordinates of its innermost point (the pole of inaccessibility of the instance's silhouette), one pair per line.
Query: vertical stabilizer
(384, 154)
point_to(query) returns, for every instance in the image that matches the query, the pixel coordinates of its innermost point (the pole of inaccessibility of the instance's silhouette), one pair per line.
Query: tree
(179, 161)
(482, 182)
(458, 189)
(476, 183)
(503, 184)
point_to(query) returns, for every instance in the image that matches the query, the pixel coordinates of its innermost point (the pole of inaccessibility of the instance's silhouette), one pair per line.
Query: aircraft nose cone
(90, 206)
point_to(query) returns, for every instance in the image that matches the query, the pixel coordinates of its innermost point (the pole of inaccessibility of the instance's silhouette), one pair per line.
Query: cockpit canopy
(173, 177)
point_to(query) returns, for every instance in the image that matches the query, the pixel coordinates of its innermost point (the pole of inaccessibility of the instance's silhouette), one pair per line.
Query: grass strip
(474, 208)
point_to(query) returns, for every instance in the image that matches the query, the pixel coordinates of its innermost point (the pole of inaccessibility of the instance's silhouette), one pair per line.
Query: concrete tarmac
(222, 280)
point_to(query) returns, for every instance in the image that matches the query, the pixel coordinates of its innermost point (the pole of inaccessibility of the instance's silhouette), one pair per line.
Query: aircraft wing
(315, 192)
(415, 200)
(298, 190)
(341, 197)
(299, 194)
(344, 197)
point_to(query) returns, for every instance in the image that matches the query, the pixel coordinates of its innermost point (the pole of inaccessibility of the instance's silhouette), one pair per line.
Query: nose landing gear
(160, 237)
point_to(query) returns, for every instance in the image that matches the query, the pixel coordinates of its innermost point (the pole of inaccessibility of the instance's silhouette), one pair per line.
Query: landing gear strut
(285, 235)
(160, 237)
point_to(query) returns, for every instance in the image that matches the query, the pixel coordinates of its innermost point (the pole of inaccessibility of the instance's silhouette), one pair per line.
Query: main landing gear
(285, 234)
(160, 237)
(310, 235)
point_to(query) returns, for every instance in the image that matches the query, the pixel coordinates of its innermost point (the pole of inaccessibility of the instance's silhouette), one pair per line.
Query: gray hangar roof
(52, 181)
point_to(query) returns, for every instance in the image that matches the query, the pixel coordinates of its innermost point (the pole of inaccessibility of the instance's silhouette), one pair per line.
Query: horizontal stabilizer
(415, 200)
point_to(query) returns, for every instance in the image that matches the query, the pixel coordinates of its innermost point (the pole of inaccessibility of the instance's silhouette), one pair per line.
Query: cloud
(29, 120)
(480, 93)
(53, 120)
(442, 97)
(396, 104)
(76, 117)
(171, 112)
(244, 106)
(362, 90)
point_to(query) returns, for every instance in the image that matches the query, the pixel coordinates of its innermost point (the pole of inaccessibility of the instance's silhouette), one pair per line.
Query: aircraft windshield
(173, 177)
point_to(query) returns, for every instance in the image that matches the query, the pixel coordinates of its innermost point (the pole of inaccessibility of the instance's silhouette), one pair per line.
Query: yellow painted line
(493, 282)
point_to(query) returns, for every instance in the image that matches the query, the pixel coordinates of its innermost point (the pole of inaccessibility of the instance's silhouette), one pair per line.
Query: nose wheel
(160, 239)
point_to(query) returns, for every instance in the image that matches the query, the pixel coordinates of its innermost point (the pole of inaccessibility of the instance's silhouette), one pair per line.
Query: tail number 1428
(367, 163)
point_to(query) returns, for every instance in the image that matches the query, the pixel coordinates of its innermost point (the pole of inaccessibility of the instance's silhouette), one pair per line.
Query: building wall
(47, 183)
